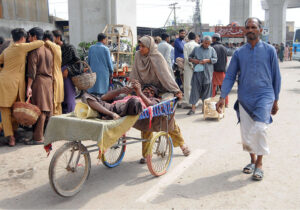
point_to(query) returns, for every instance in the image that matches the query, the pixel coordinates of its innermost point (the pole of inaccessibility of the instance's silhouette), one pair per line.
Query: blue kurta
(178, 48)
(100, 62)
(259, 80)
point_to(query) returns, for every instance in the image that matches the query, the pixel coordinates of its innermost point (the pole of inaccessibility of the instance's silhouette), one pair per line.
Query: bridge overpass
(275, 15)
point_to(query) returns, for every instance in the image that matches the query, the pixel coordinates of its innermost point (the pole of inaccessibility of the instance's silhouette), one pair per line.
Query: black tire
(60, 183)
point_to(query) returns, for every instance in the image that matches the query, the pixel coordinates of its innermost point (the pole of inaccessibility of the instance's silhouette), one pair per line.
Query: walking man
(188, 66)
(220, 66)
(259, 82)
(203, 57)
(100, 61)
(40, 84)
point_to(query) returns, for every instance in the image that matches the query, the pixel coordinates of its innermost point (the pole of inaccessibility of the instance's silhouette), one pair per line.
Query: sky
(154, 13)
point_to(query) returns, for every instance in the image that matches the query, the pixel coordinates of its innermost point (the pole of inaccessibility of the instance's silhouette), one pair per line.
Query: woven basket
(85, 80)
(26, 113)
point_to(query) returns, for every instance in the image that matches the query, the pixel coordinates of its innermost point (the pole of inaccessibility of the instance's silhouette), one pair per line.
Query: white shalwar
(254, 134)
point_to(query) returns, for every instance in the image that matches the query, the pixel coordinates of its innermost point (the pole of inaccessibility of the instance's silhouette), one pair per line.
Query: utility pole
(173, 7)
(197, 18)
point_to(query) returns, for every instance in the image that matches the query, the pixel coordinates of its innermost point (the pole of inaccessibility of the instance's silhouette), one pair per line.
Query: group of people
(36, 65)
(202, 66)
(255, 64)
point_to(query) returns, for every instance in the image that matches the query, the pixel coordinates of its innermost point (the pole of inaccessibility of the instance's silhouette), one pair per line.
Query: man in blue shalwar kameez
(259, 81)
(100, 61)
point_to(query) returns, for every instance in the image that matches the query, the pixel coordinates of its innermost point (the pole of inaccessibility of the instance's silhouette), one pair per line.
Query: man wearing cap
(220, 66)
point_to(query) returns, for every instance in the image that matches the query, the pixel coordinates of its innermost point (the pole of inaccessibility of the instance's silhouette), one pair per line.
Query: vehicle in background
(296, 45)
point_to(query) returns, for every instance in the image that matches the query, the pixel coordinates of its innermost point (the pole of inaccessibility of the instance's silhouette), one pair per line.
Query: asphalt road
(209, 178)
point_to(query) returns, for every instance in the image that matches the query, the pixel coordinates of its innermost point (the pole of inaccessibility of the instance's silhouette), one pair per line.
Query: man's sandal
(258, 174)
(249, 168)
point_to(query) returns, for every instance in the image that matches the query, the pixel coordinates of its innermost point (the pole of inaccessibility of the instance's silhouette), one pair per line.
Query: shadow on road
(295, 90)
(101, 180)
(204, 186)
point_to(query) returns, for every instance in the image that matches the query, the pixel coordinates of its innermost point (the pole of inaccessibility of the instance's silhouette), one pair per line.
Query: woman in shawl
(150, 67)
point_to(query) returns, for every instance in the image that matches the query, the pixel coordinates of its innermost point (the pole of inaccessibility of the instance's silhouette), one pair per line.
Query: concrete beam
(240, 10)
(88, 18)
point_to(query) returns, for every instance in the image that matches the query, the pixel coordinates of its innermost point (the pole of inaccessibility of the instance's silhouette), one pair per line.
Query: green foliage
(84, 48)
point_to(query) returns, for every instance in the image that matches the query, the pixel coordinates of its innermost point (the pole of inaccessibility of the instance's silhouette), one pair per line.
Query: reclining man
(117, 103)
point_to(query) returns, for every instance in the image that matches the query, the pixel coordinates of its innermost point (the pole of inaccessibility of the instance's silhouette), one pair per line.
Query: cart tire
(73, 180)
(114, 155)
(160, 153)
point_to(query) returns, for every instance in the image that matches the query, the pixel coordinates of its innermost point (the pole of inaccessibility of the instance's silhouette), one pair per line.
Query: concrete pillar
(275, 20)
(240, 10)
(88, 18)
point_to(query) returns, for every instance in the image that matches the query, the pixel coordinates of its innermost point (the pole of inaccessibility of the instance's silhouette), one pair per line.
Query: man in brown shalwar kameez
(40, 84)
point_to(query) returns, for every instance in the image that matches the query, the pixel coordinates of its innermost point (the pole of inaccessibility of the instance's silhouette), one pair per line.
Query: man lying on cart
(119, 102)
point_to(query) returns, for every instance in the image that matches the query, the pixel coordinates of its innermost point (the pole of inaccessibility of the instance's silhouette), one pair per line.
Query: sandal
(191, 112)
(258, 174)
(32, 142)
(142, 160)
(249, 168)
(185, 150)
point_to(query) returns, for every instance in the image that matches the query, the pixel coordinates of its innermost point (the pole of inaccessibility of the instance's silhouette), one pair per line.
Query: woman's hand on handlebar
(179, 95)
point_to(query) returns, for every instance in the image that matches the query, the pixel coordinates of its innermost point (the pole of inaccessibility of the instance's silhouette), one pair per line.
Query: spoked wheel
(69, 169)
(160, 154)
(114, 155)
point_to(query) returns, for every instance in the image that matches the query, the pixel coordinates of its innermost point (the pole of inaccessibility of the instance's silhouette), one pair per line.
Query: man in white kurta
(166, 49)
(188, 66)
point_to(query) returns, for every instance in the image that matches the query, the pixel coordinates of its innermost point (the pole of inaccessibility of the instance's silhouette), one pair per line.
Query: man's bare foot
(185, 150)
(12, 141)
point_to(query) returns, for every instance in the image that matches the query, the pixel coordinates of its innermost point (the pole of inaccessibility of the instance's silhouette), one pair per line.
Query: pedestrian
(220, 65)
(178, 50)
(40, 84)
(69, 67)
(100, 61)
(151, 68)
(286, 53)
(290, 52)
(58, 82)
(165, 49)
(12, 77)
(188, 66)
(281, 52)
(203, 58)
(259, 81)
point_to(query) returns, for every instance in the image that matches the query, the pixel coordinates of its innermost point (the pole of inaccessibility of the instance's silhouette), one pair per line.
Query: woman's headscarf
(153, 68)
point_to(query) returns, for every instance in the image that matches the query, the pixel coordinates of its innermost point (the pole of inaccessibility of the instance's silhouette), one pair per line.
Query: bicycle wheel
(160, 154)
(114, 155)
(69, 169)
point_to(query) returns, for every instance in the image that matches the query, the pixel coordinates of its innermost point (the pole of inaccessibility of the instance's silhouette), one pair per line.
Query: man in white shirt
(188, 66)
(165, 49)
